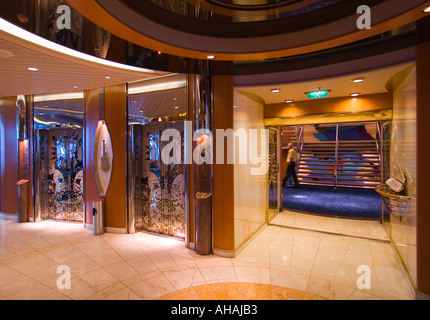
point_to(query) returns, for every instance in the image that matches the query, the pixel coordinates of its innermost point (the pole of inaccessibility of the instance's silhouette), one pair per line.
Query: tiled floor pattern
(351, 227)
(143, 266)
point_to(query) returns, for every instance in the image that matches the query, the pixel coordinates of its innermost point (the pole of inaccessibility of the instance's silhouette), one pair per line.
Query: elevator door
(59, 179)
(159, 188)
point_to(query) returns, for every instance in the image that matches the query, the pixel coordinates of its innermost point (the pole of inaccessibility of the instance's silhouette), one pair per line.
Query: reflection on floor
(349, 227)
(343, 202)
(142, 266)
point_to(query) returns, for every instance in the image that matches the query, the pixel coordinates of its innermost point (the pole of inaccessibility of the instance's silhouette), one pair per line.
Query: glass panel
(273, 173)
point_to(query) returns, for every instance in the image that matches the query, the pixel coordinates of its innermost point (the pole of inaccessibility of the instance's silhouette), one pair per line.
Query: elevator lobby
(219, 150)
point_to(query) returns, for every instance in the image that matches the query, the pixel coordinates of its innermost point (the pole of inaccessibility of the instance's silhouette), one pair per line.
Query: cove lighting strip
(59, 96)
(15, 31)
(157, 87)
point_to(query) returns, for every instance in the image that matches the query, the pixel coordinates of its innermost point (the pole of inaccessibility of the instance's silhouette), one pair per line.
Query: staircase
(343, 164)
(289, 135)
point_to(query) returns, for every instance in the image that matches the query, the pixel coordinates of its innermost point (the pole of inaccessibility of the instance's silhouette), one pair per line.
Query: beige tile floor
(143, 266)
(351, 227)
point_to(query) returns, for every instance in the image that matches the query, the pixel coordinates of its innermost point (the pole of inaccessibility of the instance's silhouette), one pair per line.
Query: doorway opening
(338, 167)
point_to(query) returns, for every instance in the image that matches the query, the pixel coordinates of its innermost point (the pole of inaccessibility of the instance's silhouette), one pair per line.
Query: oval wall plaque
(102, 158)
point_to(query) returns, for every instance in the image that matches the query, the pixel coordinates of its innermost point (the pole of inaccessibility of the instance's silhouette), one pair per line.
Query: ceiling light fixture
(355, 94)
(22, 17)
(289, 101)
(358, 80)
(108, 77)
(210, 57)
(6, 54)
(276, 90)
(75, 87)
(426, 10)
(33, 69)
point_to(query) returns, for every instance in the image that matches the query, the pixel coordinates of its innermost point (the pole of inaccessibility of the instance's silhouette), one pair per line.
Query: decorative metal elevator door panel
(59, 173)
(162, 189)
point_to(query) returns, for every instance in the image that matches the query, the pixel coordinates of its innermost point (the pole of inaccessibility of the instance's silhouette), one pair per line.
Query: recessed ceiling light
(210, 57)
(276, 90)
(33, 69)
(289, 101)
(6, 54)
(358, 80)
(23, 18)
(355, 94)
(75, 87)
(108, 77)
(176, 107)
(426, 10)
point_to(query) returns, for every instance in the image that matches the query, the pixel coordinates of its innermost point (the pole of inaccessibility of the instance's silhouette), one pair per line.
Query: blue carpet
(343, 202)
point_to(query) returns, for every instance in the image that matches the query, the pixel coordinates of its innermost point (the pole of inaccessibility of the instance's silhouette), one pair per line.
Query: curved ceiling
(232, 30)
(57, 68)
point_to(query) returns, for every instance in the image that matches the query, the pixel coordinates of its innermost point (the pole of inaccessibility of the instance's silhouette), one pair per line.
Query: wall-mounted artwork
(103, 159)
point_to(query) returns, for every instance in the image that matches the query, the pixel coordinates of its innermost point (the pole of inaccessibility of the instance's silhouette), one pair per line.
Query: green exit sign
(318, 94)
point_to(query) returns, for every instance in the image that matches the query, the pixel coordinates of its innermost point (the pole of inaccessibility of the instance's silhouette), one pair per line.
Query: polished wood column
(223, 115)
(8, 158)
(109, 104)
(115, 101)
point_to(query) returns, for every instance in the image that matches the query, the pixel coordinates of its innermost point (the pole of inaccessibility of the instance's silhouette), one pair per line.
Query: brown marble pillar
(423, 155)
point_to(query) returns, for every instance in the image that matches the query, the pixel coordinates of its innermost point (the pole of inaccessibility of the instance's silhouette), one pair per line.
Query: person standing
(291, 169)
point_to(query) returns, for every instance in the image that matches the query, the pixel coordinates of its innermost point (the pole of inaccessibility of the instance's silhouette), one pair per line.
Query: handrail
(300, 143)
(336, 160)
(380, 149)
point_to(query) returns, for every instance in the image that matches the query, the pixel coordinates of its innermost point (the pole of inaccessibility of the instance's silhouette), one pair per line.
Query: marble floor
(370, 229)
(280, 263)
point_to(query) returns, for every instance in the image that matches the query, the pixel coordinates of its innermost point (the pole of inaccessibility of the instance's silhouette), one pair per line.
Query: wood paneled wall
(8, 156)
(223, 174)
